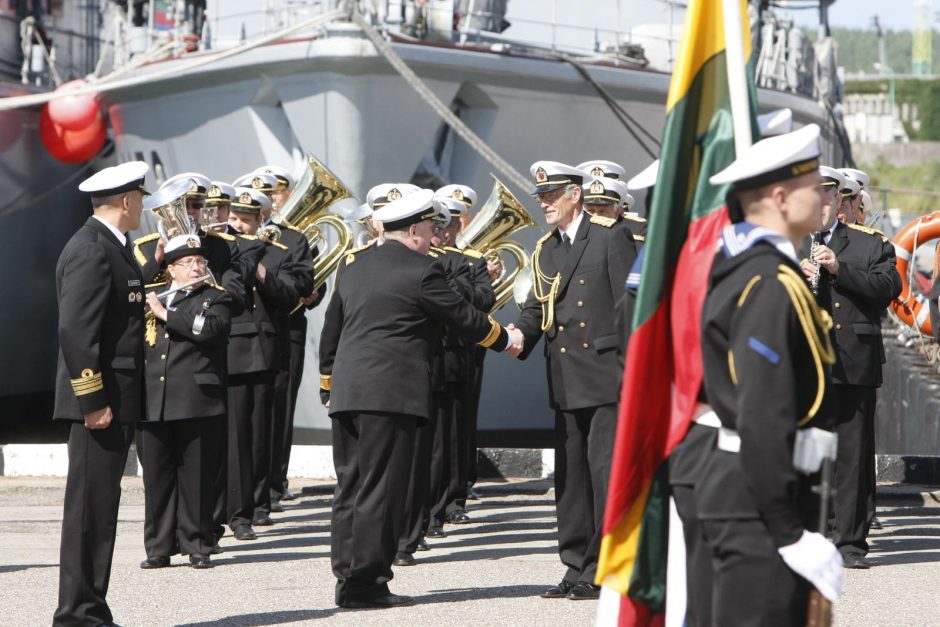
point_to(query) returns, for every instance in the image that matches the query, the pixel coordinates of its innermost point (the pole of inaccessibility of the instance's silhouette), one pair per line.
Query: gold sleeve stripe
(493, 335)
(88, 383)
(747, 289)
(326, 382)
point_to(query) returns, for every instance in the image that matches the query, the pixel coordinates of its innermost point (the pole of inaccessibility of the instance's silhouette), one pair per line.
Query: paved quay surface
(488, 573)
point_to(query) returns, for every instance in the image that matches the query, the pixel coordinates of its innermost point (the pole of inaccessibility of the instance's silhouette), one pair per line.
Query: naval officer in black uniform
(766, 353)
(581, 266)
(254, 357)
(185, 378)
(375, 351)
(99, 384)
(616, 202)
(857, 280)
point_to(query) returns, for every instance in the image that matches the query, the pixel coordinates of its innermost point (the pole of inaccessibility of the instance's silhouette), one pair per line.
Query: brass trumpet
(306, 210)
(488, 232)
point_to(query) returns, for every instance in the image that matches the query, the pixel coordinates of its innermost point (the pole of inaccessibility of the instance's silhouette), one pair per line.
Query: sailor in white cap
(609, 198)
(276, 183)
(218, 201)
(283, 186)
(579, 271)
(864, 205)
(859, 175)
(384, 193)
(763, 384)
(599, 167)
(776, 122)
(186, 337)
(99, 383)
(386, 307)
(254, 358)
(856, 278)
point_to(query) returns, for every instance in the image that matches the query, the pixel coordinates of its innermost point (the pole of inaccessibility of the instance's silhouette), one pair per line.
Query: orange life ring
(910, 307)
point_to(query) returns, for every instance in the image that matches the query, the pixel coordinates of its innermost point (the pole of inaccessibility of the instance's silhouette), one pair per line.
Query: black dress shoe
(276, 507)
(198, 560)
(261, 521)
(288, 496)
(458, 518)
(472, 494)
(583, 591)
(423, 545)
(216, 549)
(381, 602)
(155, 562)
(558, 592)
(855, 561)
(245, 532)
(876, 524)
(436, 532)
(404, 559)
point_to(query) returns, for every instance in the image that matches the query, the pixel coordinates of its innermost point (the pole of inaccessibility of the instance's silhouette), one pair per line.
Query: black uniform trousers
(460, 428)
(752, 583)
(372, 454)
(180, 471)
(855, 467)
(584, 443)
(473, 411)
(418, 498)
(89, 522)
(698, 559)
(282, 430)
(448, 489)
(250, 403)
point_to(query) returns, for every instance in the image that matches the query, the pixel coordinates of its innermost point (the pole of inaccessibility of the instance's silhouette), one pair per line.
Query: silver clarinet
(814, 282)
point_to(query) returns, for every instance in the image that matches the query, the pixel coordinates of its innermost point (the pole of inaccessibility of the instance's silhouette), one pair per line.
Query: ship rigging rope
(501, 165)
(15, 102)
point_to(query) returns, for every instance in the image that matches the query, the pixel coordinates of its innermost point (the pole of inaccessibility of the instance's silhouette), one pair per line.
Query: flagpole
(737, 75)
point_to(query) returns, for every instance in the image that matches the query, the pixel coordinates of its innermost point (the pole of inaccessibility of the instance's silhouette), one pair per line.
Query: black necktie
(566, 240)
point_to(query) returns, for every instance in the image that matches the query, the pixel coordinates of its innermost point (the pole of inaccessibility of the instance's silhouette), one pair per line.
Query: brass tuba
(169, 205)
(488, 232)
(306, 210)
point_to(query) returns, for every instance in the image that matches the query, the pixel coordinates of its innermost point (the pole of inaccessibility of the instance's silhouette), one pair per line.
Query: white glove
(817, 560)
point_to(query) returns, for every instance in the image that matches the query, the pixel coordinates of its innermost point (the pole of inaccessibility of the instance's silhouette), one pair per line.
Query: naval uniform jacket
(101, 327)
(222, 255)
(185, 370)
(857, 297)
(382, 327)
(637, 226)
(581, 345)
(254, 342)
(300, 258)
(761, 379)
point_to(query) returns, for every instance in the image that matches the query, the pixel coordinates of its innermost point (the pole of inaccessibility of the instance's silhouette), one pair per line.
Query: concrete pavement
(488, 573)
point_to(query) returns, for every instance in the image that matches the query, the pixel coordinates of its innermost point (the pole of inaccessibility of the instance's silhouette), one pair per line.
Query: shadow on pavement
(486, 554)
(264, 618)
(12, 568)
(474, 594)
(255, 558)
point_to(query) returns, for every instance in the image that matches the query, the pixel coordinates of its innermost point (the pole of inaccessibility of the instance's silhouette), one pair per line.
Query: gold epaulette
(639, 238)
(433, 254)
(438, 250)
(89, 383)
(138, 253)
(226, 236)
(326, 382)
(153, 286)
(217, 286)
(627, 216)
(869, 230)
(351, 255)
(279, 245)
(246, 236)
(605, 222)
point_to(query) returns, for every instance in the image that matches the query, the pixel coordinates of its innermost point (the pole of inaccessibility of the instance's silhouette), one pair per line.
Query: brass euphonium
(169, 205)
(306, 210)
(488, 232)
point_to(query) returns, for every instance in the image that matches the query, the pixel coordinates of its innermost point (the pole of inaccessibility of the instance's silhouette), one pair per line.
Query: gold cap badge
(597, 171)
(393, 194)
(458, 194)
(215, 192)
(541, 175)
(245, 198)
(597, 187)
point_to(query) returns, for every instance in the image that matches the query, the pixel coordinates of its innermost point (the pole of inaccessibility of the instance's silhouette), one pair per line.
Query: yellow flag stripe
(619, 548)
(703, 38)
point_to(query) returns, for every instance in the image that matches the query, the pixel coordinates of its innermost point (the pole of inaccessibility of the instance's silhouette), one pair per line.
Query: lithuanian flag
(664, 363)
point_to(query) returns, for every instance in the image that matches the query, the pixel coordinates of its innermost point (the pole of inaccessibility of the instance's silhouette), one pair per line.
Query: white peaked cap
(646, 178)
(281, 174)
(116, 180)
(600, 190)
(600, 167)
(200, 183)
(463, 193)
(858, 175)
(409, 209)
(384, 193)
(773, 159)
(832, 176)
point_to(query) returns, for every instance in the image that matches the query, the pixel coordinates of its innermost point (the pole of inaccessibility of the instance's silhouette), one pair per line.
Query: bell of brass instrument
(488, 232)
(306, 209)
(270, 234)
(169, 205)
